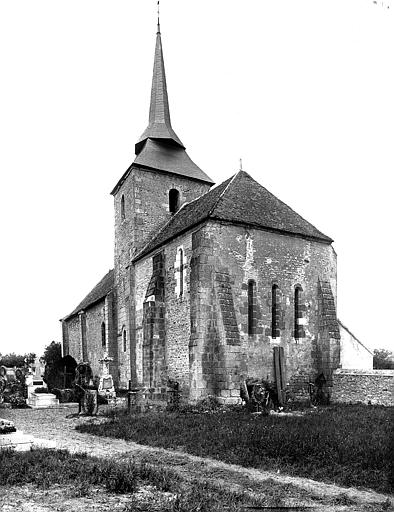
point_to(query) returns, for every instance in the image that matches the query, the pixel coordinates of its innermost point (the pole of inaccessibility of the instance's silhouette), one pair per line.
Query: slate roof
(159, 147)
(159, 126)
(164, 157)
(239, 200)
(101, 289)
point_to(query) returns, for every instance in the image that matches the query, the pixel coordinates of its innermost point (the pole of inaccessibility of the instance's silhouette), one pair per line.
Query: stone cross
(105, 363)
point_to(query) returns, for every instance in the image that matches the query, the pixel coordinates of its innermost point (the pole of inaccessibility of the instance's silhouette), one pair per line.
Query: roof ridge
(221, 194)
(100, 290)
(285, 204)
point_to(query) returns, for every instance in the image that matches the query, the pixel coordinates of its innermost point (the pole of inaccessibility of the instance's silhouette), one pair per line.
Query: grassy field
(46, 468)
(346, 445)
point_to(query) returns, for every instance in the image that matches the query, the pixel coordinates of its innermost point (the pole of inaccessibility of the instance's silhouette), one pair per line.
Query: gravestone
(38, 400)
(106, 388)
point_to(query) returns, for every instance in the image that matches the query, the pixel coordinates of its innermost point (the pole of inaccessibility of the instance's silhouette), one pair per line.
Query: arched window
(173, 200)
(298, 329)
(275, 333)
(122, 209)
(124, 336)
(180, 272)
(103, 335)
(251, 307)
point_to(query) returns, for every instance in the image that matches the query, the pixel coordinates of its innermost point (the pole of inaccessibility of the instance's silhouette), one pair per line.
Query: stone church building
(211, 285)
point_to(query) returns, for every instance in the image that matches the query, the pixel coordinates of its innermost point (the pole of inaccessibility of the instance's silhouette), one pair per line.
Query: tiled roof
(101, 289)
(240, 200)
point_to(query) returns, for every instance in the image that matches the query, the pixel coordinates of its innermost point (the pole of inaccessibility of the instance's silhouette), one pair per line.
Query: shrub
(16, 401)
(41, 390)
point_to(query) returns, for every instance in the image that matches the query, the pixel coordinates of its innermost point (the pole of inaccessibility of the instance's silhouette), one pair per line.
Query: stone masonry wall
(363, 386)
(143, 272)
(93, 317)
(154, 329)
(74, 337)
(233, 255)
(146, 206)
(176, 309)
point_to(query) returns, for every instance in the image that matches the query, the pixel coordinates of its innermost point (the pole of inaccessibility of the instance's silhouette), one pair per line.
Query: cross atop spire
(159, 126)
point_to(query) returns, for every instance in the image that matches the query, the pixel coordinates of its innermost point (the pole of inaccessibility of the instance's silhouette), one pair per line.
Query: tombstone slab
(42, 400)
(16, 441)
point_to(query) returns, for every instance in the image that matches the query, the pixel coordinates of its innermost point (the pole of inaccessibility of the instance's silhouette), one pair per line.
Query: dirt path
(59, 425)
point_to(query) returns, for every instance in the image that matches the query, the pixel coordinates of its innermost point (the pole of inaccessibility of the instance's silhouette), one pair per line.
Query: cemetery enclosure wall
(363, 386)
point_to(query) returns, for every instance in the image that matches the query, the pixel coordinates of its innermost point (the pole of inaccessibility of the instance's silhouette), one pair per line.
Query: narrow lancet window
(103, 335)
(122, 209)
(173, 200)
(275, 333)
(124, 340)
(180, 272)
(251, 308)
(298, 328)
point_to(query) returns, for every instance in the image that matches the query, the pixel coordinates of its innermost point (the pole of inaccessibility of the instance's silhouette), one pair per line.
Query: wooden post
(277, 374)
(282, 373)
(129, 397)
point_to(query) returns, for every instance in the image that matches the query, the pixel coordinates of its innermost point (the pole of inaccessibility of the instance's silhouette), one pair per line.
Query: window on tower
(173, 200)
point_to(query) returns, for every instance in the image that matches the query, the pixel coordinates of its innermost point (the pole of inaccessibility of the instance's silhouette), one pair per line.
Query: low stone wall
(363, 386)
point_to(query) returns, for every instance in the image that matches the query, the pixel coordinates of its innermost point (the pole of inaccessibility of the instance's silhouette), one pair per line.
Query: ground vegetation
(346, 445)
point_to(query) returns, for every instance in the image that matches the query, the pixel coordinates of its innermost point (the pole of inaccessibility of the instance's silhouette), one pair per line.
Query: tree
(52, 356)
(52, 353)
(383, 359)
(10, 360)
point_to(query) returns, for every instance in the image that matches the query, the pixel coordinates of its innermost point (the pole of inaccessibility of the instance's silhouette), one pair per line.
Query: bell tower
(160, 180)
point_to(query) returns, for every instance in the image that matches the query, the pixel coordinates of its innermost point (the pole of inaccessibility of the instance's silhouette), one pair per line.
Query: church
(212, 285)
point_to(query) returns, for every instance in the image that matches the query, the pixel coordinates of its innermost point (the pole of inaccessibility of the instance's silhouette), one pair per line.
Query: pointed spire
(159, 112)
(158, 17)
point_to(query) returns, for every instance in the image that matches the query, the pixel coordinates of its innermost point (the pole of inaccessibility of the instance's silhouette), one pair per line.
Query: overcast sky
(302, 91)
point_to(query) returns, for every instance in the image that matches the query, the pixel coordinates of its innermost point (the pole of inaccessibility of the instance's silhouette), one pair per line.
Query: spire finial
(240, 164)
(158, 16)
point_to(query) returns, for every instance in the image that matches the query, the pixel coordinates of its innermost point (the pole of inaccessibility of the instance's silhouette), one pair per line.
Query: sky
(302, 91)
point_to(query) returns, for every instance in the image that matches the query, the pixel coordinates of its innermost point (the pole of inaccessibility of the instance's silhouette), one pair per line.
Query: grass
(45, 468)
(347, 445)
